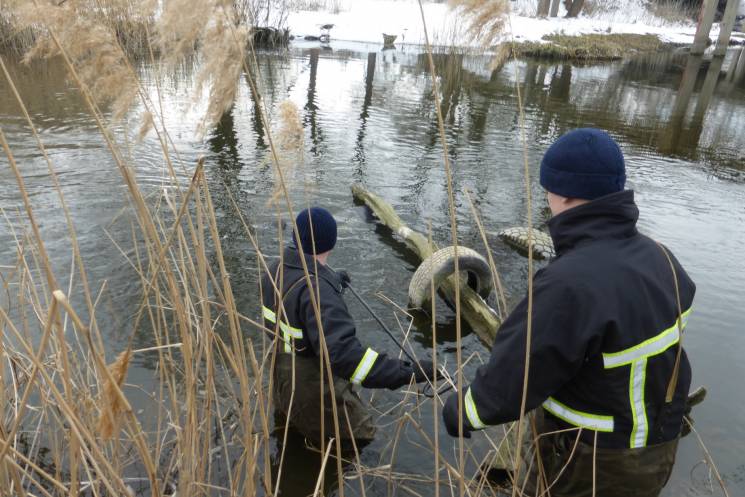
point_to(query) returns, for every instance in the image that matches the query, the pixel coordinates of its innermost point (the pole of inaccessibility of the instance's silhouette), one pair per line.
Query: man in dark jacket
(606, 365)
(289, 311)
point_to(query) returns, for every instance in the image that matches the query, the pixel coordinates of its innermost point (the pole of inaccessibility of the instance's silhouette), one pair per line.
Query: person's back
(625, 293)
(605, 337)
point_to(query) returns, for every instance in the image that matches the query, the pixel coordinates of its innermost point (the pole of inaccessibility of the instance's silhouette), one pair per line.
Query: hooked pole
(382, 324)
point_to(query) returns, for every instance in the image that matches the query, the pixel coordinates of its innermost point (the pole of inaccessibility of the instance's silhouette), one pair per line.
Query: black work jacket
(297, 328)
(604, 334)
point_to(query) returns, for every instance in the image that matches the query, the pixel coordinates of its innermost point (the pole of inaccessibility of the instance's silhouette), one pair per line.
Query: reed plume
(92, 47)
(290, 142)
(485, 19)
(223, 50)
(180, 27)
(112, 407)
(146, 125)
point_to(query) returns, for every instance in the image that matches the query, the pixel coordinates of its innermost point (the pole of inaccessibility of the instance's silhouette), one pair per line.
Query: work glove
(450, 417)
(427, 372)
(344, 278)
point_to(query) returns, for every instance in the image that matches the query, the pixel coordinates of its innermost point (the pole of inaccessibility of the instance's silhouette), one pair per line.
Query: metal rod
(381, 323)
(387, 330)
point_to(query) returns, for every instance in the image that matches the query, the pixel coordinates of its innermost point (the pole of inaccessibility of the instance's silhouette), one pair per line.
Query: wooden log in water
(482, 318)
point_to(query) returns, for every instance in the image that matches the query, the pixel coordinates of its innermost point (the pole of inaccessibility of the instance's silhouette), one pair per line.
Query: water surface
(368, 118)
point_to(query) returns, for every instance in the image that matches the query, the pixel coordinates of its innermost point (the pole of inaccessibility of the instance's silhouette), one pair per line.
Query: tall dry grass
(68, 426)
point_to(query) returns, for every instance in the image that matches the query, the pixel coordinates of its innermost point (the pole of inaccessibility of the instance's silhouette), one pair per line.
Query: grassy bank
(589, 47)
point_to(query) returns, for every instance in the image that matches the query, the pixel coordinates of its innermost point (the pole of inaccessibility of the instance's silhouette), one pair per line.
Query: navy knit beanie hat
(585, 163)
(324, 230)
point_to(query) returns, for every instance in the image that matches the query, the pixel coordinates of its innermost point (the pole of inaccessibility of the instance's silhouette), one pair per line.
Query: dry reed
(485, 19)
(112, 407)
(210, 400)
(290, 140)
(92, 47)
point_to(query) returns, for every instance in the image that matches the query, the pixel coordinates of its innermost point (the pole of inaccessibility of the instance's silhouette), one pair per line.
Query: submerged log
(474, 310)
(482, 318)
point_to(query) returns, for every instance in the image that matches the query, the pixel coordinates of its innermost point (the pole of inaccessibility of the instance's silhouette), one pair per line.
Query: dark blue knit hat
(324, 230)
(585, 163)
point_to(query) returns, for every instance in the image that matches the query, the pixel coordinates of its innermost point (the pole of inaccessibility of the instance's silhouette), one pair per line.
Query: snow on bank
(367, 20)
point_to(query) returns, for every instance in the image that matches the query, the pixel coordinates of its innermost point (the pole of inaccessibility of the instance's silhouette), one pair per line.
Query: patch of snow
(367, 20)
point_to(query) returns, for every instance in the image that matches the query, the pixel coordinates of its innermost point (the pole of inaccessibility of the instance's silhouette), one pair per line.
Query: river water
(368, 118)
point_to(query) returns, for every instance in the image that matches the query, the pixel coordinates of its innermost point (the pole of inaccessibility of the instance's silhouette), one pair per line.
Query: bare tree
(543, 6)
(574, 7)
(555, 8)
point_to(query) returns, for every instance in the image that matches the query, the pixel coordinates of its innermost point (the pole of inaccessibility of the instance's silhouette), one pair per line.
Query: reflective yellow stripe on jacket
(574, 417)
(288, 332)
(471, 412)
(363, 368)
(637, 357)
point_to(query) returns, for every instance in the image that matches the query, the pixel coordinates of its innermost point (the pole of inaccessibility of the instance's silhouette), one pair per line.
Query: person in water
(289, 312)
(607, 369)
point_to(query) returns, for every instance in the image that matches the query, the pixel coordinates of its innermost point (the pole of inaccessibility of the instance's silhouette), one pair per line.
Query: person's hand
(450, 417)
(427, 372)
(344, 278)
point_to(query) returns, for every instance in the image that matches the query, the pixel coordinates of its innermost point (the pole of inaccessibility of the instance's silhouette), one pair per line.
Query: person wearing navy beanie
(585, 163)
(291, 309)
(317, 229)
(608, 376)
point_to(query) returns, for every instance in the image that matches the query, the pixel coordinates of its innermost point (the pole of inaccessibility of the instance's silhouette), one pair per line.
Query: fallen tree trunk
(482, 318)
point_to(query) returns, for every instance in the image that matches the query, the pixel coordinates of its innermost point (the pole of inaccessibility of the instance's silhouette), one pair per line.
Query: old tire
(517, 238)
(441, 264)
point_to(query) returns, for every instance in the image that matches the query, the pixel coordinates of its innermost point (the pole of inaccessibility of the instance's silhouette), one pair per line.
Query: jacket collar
(291, 258)
(610, 216)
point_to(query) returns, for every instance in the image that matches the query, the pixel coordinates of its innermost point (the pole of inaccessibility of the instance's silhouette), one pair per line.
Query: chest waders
(299, 384)
(574, 468)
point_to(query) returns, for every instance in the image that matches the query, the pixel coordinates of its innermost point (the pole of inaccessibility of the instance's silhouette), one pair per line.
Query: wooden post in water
(725, 28)
(705, 20)
(732, 69)
(739, 70)
(670, 134)
(704, 97)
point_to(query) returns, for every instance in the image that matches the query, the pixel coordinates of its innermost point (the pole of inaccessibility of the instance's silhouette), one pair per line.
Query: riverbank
(604, 36)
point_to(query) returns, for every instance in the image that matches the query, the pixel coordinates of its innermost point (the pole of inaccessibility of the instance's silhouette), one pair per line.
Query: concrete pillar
(725, 28)
(705, 20)
(555, 8)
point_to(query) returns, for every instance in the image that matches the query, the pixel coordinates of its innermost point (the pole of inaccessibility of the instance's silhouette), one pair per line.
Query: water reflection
(359, 149)
(310, 119)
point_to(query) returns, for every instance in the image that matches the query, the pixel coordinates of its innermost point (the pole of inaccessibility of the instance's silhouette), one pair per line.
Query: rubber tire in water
(441, 264)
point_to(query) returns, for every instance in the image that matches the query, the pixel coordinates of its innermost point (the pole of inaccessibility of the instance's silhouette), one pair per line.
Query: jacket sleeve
(349, 359)
(561, 334)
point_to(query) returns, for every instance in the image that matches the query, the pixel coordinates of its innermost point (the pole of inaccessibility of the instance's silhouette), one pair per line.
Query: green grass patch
(590, 46)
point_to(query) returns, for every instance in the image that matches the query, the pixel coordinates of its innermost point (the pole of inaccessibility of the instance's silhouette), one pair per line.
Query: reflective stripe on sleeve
(578, 418)
(655, 345)
(471, 411)
(268, 314)
(364, 367)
